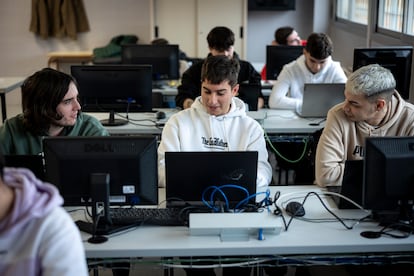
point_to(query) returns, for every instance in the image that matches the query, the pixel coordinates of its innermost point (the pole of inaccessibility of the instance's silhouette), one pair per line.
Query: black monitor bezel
(279, 55)
(68, 160)
(165, 59)
(398, 59)
(116, 87)
(387, 168)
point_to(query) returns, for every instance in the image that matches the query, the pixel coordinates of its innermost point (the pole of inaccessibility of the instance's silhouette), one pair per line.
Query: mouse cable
(332, 213)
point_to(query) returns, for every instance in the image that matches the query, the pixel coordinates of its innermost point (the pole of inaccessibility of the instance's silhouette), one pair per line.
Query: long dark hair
(41, 94)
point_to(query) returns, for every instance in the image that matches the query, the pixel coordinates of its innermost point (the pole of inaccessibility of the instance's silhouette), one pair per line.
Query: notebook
(32, 162)
(318, 98)
(351, 185)
(190, 174)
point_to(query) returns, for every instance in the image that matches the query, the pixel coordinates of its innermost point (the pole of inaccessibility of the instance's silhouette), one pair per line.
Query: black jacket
(190, 86)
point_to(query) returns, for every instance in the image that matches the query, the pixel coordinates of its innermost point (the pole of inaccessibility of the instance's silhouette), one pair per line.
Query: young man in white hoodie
(314, 66)
(37, 236)
(216, 121)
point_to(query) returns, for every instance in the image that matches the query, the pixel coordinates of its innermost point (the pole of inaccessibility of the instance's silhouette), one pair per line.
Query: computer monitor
(114, 88)
(115, 170)
(388, 187)
(278, 56)
(212, 177)
(397, 59)
(163, 58)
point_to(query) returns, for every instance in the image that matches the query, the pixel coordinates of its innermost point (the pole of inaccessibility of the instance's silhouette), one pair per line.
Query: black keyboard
(149, 216)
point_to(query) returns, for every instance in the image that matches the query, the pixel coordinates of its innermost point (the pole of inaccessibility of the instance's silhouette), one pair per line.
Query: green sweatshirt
(15, 139)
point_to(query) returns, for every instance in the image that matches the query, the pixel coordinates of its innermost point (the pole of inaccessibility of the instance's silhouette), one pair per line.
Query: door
(187, 22)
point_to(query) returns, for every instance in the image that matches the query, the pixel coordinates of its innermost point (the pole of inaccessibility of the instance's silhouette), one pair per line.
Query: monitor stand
(402, 219)
(102, 224)
(112, 121)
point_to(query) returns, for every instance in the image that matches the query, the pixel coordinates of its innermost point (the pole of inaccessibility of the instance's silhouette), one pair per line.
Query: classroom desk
(276, 122)
(303, 242)
(8, 84)
(69, 57)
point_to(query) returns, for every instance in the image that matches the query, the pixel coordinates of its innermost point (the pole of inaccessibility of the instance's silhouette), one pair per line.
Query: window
(353, 10)
(394, 17)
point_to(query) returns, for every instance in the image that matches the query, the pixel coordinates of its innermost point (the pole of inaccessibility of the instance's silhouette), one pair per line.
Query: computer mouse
(159, 115)
(295, 209)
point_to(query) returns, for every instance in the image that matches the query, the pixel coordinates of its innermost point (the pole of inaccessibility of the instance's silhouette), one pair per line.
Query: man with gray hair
(372, 107)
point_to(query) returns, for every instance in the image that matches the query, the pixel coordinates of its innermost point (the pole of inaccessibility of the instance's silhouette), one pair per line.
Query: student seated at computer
(50, 108)
(286, 35)
(372, 107)
(216, 121)
(314, 66)
(220, 42)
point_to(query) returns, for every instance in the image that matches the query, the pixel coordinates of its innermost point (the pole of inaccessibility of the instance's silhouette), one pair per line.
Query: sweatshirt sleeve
(330, 154)
(190, 86)
(279, 96)
(62, 251)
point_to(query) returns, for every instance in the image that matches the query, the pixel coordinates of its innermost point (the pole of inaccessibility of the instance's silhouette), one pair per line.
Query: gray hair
(373, 81)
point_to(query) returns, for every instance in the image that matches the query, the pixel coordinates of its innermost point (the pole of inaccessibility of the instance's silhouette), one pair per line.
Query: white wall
(22, 53)
(261, 26)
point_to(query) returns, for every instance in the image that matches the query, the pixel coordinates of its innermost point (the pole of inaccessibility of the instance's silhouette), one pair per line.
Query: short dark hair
(217, 69)
(319, 45)
(41, 94)
(282, 34)
(220, 38)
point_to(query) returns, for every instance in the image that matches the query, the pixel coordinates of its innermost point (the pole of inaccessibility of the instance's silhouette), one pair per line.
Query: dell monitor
(114, 88)
(103, 171)
(397, 59)
(278, 56)
(163, 58)
(388, 187)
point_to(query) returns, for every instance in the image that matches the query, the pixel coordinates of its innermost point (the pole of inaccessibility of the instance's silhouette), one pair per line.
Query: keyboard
(149, 216)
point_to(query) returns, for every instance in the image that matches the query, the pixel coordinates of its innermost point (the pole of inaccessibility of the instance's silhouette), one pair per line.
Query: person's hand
(187, 103)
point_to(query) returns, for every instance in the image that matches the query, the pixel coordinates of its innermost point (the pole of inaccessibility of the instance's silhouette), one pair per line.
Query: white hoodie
(193, 129)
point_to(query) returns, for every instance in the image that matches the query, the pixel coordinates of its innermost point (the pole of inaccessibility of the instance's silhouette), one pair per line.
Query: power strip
(234, 226)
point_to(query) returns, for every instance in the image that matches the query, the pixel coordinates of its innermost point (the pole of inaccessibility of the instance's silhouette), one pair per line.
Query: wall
(22, 53)
(261, 26)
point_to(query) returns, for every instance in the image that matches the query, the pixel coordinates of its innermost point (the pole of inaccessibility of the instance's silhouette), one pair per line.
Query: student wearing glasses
(286, 36)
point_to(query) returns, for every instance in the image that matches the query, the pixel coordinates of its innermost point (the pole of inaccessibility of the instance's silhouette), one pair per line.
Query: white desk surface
(8, 84)
(302, 237)
(172, 91)
(275, 122)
